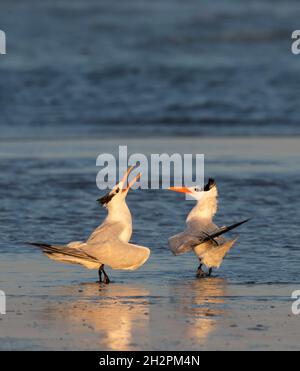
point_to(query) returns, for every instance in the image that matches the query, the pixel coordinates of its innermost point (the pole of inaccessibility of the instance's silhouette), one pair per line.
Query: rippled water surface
(48, 193)
(209, 77)
(159, 67)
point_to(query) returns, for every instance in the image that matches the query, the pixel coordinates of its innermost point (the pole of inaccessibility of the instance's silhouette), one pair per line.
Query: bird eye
(117, 190)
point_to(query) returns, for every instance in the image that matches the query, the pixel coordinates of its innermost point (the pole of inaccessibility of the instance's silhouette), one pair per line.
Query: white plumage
(199, 226)
(109, 243)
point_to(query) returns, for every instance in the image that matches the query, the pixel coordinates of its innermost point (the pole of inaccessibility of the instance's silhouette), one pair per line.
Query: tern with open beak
(109, 243)
(201, 235)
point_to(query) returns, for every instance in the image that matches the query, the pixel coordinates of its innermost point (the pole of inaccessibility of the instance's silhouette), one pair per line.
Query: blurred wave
(157, 68)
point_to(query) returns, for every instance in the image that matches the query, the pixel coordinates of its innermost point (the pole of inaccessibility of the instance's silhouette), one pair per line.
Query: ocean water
(48, 193)
(80, 69)
(212, 77)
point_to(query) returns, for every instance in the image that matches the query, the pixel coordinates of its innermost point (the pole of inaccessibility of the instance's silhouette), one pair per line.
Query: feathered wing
(218, 232)
(114, 253)
(118, 254)
(106, 231)
(68, 255)
(182, 243)
(194, 235)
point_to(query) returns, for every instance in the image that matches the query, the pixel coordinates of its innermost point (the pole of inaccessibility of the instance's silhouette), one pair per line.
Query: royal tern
(201, 235)
(109, 243)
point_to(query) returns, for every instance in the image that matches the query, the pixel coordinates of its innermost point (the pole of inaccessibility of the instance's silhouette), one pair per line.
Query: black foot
(201, 274)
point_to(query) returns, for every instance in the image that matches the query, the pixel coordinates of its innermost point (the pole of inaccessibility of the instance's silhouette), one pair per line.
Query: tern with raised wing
(109, 244)
(201, 235)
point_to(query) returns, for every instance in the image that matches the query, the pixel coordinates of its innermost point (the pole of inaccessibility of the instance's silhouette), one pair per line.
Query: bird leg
(200, 272)
(100, 274)
(106, 278)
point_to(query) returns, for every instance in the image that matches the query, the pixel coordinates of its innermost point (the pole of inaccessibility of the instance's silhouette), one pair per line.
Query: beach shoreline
(189, 314)
(162, 306)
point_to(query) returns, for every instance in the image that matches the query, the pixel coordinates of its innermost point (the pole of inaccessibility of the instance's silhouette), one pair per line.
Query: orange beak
(132, 183)
(184, 190)
(125, 178)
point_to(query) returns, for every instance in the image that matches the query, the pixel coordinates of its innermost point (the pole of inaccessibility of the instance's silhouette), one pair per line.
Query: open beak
(106, 199)
(125, 177)
(125, 180)
(132, 183)
(184, 190)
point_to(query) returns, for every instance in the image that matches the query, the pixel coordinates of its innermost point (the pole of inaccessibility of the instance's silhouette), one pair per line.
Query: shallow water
(212, 77)
(48, 193)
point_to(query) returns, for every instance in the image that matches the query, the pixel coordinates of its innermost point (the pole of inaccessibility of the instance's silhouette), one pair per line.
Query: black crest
(106, 199)
(210, 185)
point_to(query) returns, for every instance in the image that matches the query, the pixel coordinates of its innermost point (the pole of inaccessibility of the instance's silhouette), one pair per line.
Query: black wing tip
(225, 230)
(239, 224)
(247, 220)
(38, 244)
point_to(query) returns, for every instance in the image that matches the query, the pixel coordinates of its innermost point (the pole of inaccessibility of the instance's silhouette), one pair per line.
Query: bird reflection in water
(174, 315)
(117, 315)
(207, 307)
(197, 308)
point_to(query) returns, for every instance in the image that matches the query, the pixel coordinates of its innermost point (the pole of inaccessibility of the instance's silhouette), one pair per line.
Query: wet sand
(162, 306)
(181, 314)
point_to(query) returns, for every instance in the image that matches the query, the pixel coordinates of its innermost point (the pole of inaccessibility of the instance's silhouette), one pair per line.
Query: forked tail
(64, 250)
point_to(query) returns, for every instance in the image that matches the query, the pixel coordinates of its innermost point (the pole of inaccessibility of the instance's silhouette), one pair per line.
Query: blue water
(103, 68)
(161, 68)
(79, 71)
(48, 193)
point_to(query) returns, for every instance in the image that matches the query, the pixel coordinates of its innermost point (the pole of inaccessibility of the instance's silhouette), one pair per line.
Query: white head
(198, 193)
(117, 196)
(206, 198)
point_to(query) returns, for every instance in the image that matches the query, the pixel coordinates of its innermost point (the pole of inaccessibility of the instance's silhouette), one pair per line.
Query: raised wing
(194, 234)
(219, 232)
(182, 243)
